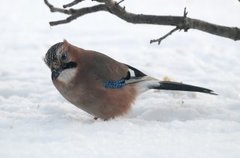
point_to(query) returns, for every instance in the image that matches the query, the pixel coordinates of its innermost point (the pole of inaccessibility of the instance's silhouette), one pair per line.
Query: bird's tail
(169, 85)
(145, 83)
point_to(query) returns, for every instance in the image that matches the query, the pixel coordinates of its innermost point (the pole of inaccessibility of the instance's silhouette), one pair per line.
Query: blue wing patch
(115, 84)
(132, 73)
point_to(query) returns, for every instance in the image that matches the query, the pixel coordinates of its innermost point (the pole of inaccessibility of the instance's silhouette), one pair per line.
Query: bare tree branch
(173, 30)
(120, 2)
(72, 3)
(113, 7)
(165, 36)
(77, 13)
(55, 9)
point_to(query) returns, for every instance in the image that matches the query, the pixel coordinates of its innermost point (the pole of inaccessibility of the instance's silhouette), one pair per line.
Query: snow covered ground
(36, 122)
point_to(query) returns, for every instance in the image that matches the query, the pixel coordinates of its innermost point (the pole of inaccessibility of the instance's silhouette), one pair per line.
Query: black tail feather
(168, 85)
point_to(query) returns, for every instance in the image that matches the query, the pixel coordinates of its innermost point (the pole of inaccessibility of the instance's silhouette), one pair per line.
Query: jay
(100, 85)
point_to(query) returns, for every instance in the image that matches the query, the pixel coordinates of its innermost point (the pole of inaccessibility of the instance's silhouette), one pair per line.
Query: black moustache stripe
(69, 65)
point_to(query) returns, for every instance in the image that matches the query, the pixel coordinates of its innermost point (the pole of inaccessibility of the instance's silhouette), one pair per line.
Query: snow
(37, 122)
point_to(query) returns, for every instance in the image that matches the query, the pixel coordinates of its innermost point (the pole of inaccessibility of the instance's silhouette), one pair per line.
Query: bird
(100, 85)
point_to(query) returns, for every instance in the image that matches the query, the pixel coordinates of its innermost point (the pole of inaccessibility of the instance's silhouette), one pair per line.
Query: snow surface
(36, 122)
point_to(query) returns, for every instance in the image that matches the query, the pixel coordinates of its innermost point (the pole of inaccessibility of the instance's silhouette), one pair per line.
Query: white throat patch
(67, 75)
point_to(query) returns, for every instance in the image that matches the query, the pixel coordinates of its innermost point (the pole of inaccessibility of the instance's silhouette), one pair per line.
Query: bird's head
(60, 61)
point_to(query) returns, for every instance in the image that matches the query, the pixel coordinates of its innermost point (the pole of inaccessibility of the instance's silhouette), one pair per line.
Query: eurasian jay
(100, 85)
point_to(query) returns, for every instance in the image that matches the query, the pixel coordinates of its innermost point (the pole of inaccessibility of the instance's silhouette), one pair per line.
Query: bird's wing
(108, 69)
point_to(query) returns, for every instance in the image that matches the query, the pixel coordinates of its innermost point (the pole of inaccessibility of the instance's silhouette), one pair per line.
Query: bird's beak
(56, 73)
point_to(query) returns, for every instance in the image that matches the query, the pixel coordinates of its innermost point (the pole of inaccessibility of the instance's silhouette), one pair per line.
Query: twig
(55, 9)
(78, 13)
(183, 26)
(72, 3)
(165, 36)
(120, 2)
(100, 1)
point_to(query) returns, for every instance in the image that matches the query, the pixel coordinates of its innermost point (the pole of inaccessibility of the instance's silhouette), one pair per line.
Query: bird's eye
(55, 65)
(64, 57)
